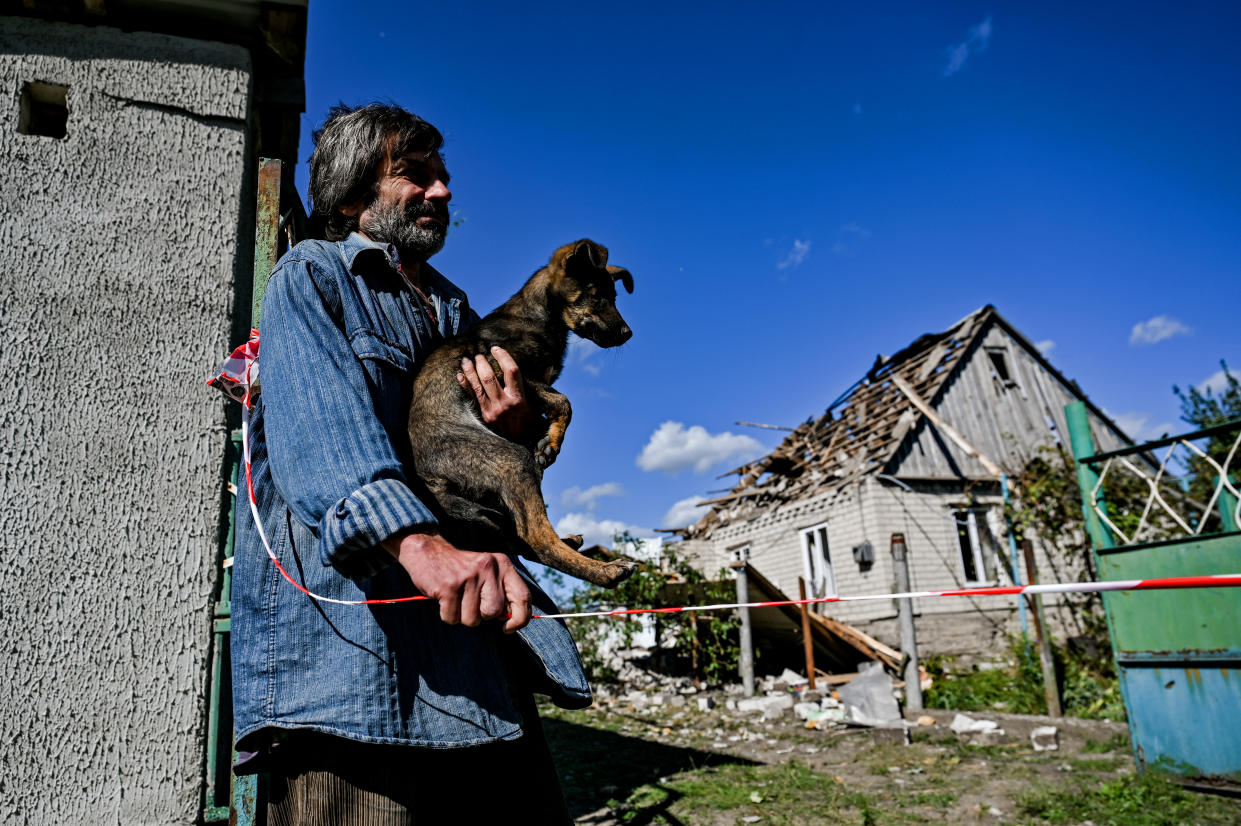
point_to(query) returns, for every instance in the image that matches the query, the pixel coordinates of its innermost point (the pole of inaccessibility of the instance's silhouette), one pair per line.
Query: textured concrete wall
(118, 253)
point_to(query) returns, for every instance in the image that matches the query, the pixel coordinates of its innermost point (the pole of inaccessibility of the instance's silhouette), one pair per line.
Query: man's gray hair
(350, 148)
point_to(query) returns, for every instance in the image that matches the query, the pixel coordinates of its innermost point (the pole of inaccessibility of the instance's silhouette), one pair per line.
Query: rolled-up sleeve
(331, 458)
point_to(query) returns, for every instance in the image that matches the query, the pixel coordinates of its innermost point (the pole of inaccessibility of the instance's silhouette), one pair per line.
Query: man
(397, 713)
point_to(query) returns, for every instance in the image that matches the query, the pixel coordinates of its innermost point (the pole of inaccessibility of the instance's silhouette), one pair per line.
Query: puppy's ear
(622, 275)
(585, 255)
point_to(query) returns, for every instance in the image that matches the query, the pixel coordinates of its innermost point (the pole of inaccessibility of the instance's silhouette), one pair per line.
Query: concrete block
(1045, 738)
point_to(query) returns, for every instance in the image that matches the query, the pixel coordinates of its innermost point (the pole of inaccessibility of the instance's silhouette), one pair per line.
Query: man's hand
(470, 587)
(503, 406)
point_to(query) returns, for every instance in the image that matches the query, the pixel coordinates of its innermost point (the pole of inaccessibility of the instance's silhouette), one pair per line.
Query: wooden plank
(730, 497)
(948, 429)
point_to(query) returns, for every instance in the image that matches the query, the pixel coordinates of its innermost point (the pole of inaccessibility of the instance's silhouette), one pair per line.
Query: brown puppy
(485, 488)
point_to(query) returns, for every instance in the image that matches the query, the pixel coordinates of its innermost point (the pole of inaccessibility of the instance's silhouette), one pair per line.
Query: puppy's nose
(625, 333)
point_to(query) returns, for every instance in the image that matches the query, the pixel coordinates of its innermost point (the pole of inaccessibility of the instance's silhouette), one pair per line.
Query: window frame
(986, 575)
(1003, 365)
(819, 531)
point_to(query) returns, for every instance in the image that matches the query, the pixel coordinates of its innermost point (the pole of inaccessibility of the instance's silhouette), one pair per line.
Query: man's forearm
(471, 587)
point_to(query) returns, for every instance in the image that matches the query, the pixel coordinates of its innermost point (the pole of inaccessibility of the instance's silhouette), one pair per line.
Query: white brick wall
(873, 510)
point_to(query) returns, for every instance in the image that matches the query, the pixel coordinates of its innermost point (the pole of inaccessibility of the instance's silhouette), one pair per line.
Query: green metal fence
(1178, 653)
(280, 223)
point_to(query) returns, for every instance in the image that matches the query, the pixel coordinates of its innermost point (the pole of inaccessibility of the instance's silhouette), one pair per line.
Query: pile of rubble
(868, 701)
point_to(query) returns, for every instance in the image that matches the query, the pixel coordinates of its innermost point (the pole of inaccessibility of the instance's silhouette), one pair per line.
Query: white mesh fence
(1166, 508)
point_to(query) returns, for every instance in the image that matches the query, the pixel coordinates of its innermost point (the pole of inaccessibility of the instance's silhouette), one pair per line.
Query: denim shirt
(342, 337)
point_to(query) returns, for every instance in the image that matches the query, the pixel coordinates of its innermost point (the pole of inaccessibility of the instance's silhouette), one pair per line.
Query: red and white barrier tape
(1165, 583)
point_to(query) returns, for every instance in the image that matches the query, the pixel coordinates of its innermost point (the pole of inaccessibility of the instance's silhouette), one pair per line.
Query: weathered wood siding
(1007, 423)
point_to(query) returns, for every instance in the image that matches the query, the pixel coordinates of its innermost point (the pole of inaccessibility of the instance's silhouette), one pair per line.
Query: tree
(708, 639)
(1203, 408)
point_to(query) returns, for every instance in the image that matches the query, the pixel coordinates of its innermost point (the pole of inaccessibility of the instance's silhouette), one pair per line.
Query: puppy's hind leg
(522, 497)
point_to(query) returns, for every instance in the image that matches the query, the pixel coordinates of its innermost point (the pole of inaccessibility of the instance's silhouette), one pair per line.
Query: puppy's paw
(545, 453)
(614, 573)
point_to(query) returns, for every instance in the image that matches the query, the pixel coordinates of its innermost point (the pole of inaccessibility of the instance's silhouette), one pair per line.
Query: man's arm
(335, 465)
(470, 587)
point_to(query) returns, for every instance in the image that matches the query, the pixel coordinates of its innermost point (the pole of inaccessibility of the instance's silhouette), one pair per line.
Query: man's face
(410, 209)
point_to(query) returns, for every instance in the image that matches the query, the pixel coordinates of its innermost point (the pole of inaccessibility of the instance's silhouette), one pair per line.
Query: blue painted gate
(1178, 653)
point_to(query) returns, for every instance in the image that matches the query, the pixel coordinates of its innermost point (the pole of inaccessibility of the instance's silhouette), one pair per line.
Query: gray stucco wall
(118, 252)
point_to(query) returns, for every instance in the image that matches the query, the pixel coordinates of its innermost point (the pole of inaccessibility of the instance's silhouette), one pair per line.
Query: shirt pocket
(389, 375)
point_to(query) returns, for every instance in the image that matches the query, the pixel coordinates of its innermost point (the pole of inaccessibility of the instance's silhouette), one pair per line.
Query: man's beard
(389, 224)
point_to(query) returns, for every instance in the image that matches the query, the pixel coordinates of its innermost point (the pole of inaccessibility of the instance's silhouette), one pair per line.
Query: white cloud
(796, 255)
(673, 447)
(1157, 329)
(1045, 346)
(579, 354)
(1136, 427)
(685, 512)
(975, 43)
(597, 531)
(1216, 383)
(575, 497)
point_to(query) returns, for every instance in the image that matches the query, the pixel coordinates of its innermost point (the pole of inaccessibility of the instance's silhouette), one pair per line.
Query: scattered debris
(792, 680)
(807, 711)
(926, 720)
(708, 703)
(1045, 738)
(869, 700)
(973, 732)
(772, 706)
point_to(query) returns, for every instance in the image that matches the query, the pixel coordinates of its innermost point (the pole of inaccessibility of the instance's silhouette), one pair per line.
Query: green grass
(1118, 742)
(940, 800)
(1147, 800)
(782, 795)
(1088, 688)
(1098, 764)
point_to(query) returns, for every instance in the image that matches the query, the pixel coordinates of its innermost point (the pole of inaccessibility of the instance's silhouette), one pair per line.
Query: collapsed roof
(862, 431)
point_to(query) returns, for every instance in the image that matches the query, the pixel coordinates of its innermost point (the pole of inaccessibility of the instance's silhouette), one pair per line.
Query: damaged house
(919, 446)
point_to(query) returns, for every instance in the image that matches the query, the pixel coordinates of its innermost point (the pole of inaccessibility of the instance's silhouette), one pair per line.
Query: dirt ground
(622, 763)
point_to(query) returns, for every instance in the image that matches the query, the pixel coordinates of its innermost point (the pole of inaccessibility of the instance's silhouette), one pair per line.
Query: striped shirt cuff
(352, 530)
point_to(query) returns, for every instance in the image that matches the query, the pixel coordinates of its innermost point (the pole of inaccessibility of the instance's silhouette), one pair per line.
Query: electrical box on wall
(864, 555)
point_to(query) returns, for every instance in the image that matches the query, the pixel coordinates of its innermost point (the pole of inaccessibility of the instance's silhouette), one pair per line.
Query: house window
(999, 366)
(974, 545)
(738, 553)
(817, 562)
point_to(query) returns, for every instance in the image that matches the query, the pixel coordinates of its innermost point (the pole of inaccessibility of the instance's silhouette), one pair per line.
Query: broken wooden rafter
(949, 430)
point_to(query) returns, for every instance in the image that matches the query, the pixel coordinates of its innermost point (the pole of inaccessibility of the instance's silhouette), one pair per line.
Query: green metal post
(1228, 508)
(249, 791)
(266, 232)
(1083, 446)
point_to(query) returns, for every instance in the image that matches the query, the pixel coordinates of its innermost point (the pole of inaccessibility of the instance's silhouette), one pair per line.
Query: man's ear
(622, 275)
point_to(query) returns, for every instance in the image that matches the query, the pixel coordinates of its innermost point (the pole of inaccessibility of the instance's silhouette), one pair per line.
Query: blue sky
(798, 187)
